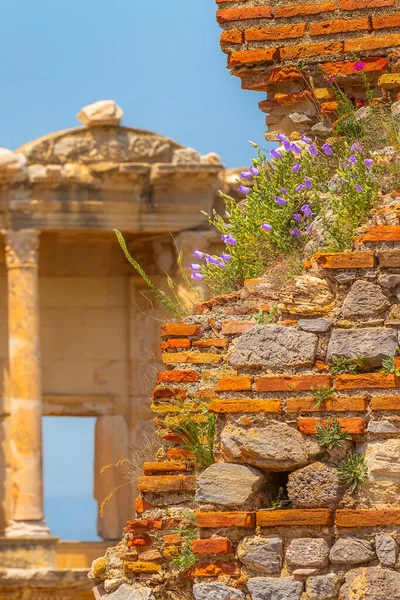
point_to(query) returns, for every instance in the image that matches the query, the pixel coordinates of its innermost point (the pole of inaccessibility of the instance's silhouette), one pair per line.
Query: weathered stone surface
(371, 583)
(323, 587)
(268, 588)
(103, 112)
(274, 346)
(228, 484)
(314, 325)
(216, 591)
(13, 166)
(261, 554)
(374, 342)
(383, 460)
(393, 317)
(364, 299)
(315, 486)
(381, 427)
(308, 552)
(306, 296)
(351, 551)
(268, 445)
(389, 280)
(127, 592)
(346, 276)
(386, 549)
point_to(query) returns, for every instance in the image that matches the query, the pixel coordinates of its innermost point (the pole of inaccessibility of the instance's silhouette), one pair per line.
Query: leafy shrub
(188, 532)
(330, 434)
(354, 471)
(263, 317)
(321, 395)
(350, 366)
(389, 366)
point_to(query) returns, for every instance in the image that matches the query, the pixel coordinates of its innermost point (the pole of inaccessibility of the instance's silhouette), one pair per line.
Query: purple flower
(266, 227)
(308, 227)
(330, 79)
(359, 66)
(197, 276)
(359, 188)
(297, 217)
(295, 148)
(275, 154)
(280, 200)
(221, 265)
(198, 254)
(243, 189)
(296, 232)
(283, 191)
(356, 147)
(306, 139)
(245, 175)
(281, 137)
(299, 187)
(345, 164)
(352, 159)
(226, 257)
(228, 239)
(212, 260)
(327, 149)
(195, 267)
(287, 145)
(307, 183)
(254, 171)
(312, 150)
(296, 168)
(368, 162)
(306, 210)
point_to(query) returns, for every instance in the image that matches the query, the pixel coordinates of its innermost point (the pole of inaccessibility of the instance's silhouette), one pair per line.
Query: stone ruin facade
(74, 337)
(294, 50)
(260, 382)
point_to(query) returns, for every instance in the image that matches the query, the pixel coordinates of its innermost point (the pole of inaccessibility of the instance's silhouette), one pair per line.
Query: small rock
(228, 484)
(216, 591)
(375, 343)
(346, 276)
(371, 583)
(104, 112)
(363, 113)
(99, 592)
(393, 317)
(304, 573)
(321, 129)
(364, 299)
(382, 460)
(315, 486)
(305, 296)
(110, 585)
(314, 325)
(386, 549)
(381, 427)
(261, 554)
(323, 587)
(308, 552)
(389, 281)
(268, 588)
(351, 551)
(127, 592)
(395, 109)
(297, 117)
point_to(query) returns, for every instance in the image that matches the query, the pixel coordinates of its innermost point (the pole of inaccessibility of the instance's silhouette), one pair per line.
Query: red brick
(180, 329)
(367, 517)
(163, 467)
(193, 358)
(267, 105)
(172, 538)
(179, 454)
(386, 21)
(241, 383)
(226, 15)
(385, 403)
(212, 546)
(214, 569)
(258, 81)
(169, 392)
(248, 57)
(232, 327)
(288, 383)
(339, 26)
(177, 376)
(175, 343)
(347, 68)
(372, 43)
(166, 483)
(296, 98)
(345, 260)
(350, 424)
(293, 517)
(365, 380)
(246, 405)
(141, 505)
(296, 10)
(328, 108)
(355, 404)
(143, 525)
(306, 50)
(382, 233)
(139, 542)
(212, 343)
(275, 33)
(217, 520)
(232, 36)
(361, 4)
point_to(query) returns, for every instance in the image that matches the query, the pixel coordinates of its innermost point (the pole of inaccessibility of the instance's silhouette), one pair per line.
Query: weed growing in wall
(321, 395)
(354, 471)
(330, 434)
(342, 366)
(188, 532)
(389, 366)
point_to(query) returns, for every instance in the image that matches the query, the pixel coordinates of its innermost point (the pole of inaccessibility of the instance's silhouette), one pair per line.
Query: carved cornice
(22, 248)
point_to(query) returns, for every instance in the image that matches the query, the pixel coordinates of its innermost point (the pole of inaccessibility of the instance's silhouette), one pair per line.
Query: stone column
(25, 384)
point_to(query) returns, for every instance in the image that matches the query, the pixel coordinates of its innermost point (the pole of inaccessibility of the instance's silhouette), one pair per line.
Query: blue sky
(162, 63)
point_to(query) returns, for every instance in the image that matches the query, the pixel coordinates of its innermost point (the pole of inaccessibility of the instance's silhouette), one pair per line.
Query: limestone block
(228, 484)
(307, 553)
(374, 342)
(371, 583)
(389, 280)
(306, 296)
(274, 346)
(315, 486)
(128, 592)
(13, 166)
(381, 427)
(261, 554)
(323, 587)
(364, 299)
(103, 112)
(383, 460)
(314, 325)
(186, 156)
(216, 591)
(269, 588)
(268, 445)
(386, 549)
(351, 551)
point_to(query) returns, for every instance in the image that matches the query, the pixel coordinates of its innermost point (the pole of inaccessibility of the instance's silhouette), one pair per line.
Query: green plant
(354, 470)
(389, 366)
(188, 532)
(341, 365)
(266, 318)
(330, 434)
(281, 500)
(321, 395)
(196, 432)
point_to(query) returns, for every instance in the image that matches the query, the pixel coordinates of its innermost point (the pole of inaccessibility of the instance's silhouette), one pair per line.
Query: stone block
(367, 517)
(365, 299)
(261, 554)
(387, 550)
(375, 343)
(351, 551)
(128, 592)
(228, 484)
(308, 553)
(371, 583)
(269, 588)
(314, 325)
(383, 460)
(323, 587)
(218, 520)
(212, 546)
(216, 591)
(315, 486)
(381, 427)
(294, 517)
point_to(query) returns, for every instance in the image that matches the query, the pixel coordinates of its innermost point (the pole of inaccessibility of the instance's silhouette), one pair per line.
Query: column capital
(21, 248)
